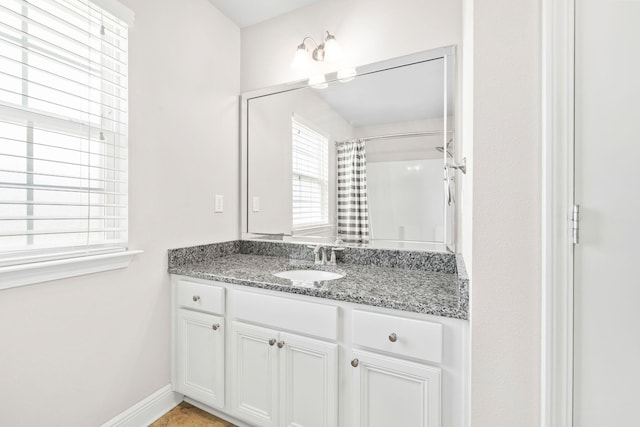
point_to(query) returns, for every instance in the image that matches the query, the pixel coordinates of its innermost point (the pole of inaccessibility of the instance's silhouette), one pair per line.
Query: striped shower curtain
(353, 209)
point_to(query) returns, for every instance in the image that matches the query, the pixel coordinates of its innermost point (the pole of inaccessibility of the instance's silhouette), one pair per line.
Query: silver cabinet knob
(280, 344)
(393, 337)
(355, 363)
(196, 298)
(215, 327)
(272, 341)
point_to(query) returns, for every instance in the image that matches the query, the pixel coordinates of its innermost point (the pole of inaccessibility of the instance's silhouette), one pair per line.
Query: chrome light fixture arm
(319, 52)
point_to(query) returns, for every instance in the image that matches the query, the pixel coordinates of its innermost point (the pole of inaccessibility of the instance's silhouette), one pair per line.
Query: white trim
(38, 272)
(147, 410)
(557, 200)
(117, 9)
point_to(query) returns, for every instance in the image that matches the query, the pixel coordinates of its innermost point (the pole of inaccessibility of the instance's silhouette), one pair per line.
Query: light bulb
(332, 49)
(346, 74)
(301, 60)
(318, 81)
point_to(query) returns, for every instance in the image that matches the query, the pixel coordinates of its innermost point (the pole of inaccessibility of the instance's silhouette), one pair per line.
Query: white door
(254, 374)
(393, 392)
(201, 357)
(308, 382)
(607, 177)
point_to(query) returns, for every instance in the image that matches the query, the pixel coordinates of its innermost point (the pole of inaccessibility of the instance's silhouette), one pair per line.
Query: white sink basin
(308, 276)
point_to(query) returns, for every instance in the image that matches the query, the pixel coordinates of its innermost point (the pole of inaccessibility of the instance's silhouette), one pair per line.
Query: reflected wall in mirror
(360, 161)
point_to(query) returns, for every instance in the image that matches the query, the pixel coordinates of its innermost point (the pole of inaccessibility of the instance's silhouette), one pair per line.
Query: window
(63, 130)
(310, 152)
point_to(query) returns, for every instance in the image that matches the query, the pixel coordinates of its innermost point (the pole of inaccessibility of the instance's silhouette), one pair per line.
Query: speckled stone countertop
(415, 289)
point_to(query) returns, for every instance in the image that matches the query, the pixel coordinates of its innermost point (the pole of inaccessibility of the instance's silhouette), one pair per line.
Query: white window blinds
(63, 129)
(310, 153)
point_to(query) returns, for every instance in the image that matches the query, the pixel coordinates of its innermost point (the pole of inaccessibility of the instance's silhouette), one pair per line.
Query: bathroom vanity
(383, 345)
(264, 335)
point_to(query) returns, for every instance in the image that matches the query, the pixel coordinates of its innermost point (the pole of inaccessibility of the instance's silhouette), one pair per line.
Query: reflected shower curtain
(353, 209)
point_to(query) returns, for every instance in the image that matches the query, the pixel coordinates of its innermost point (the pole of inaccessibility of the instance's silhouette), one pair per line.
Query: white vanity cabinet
(388, 389)
(278, 376)
(282, 379)
(199, 341)
(285, 360)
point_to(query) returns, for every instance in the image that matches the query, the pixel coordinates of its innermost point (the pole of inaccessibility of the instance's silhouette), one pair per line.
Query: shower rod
(400, 135)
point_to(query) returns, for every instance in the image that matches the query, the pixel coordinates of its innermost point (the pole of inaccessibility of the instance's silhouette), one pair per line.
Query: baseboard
(147, 410)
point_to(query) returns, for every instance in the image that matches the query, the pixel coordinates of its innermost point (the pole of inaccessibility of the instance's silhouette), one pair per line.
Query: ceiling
(250, 12)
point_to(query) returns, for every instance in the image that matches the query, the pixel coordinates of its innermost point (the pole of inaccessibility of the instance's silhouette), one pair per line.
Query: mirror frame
(448, 53)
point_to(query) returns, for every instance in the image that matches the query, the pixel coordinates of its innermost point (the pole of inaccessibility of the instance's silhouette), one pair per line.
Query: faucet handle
(333, 255)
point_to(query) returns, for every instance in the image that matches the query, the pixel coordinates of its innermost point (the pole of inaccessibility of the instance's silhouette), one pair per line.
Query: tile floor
(187, 415)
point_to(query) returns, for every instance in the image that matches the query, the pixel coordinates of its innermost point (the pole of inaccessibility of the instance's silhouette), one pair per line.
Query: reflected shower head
(441, 149)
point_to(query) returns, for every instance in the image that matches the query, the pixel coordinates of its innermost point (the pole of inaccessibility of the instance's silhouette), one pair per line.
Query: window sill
(38, 272)
(313, 228)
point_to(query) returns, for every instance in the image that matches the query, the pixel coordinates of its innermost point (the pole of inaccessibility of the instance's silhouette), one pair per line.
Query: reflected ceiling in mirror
(390, 96)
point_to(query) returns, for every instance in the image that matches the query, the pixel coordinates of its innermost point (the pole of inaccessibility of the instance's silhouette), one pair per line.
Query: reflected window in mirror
(310, 175)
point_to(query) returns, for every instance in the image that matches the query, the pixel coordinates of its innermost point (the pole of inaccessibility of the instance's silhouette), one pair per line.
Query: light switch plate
(219, 203)
(256, 204)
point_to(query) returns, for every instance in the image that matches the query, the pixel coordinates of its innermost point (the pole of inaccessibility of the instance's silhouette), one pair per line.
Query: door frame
(557, 200)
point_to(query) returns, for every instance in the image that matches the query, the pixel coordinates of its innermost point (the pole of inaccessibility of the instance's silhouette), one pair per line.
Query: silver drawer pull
(355, 363)
(196, 298)
(272, 341)
(215, 327)
(393, 337)
(280, 344)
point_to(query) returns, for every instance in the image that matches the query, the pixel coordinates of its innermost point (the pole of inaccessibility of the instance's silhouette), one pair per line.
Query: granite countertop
(415, 290)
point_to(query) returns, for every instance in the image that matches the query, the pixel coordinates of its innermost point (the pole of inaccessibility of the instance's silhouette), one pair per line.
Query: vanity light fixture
(329, 49)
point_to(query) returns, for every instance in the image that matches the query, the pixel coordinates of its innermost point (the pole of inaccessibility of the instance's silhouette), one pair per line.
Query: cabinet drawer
(309, 318)
(418, 339)
(201, 296)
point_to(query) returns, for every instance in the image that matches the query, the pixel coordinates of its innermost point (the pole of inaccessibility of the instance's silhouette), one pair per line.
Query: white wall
(505, 287)
(464, 215)
(368, 30)
(77, 352)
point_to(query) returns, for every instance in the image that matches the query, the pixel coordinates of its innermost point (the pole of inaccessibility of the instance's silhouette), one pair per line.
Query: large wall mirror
(362, 161)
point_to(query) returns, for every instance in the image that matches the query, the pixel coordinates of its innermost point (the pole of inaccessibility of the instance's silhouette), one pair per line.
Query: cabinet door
(393, 392)
(200, 357)
(308, 382)
(255, 374)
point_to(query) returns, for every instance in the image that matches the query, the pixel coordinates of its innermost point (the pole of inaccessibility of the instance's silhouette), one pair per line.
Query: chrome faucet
(320, 253)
